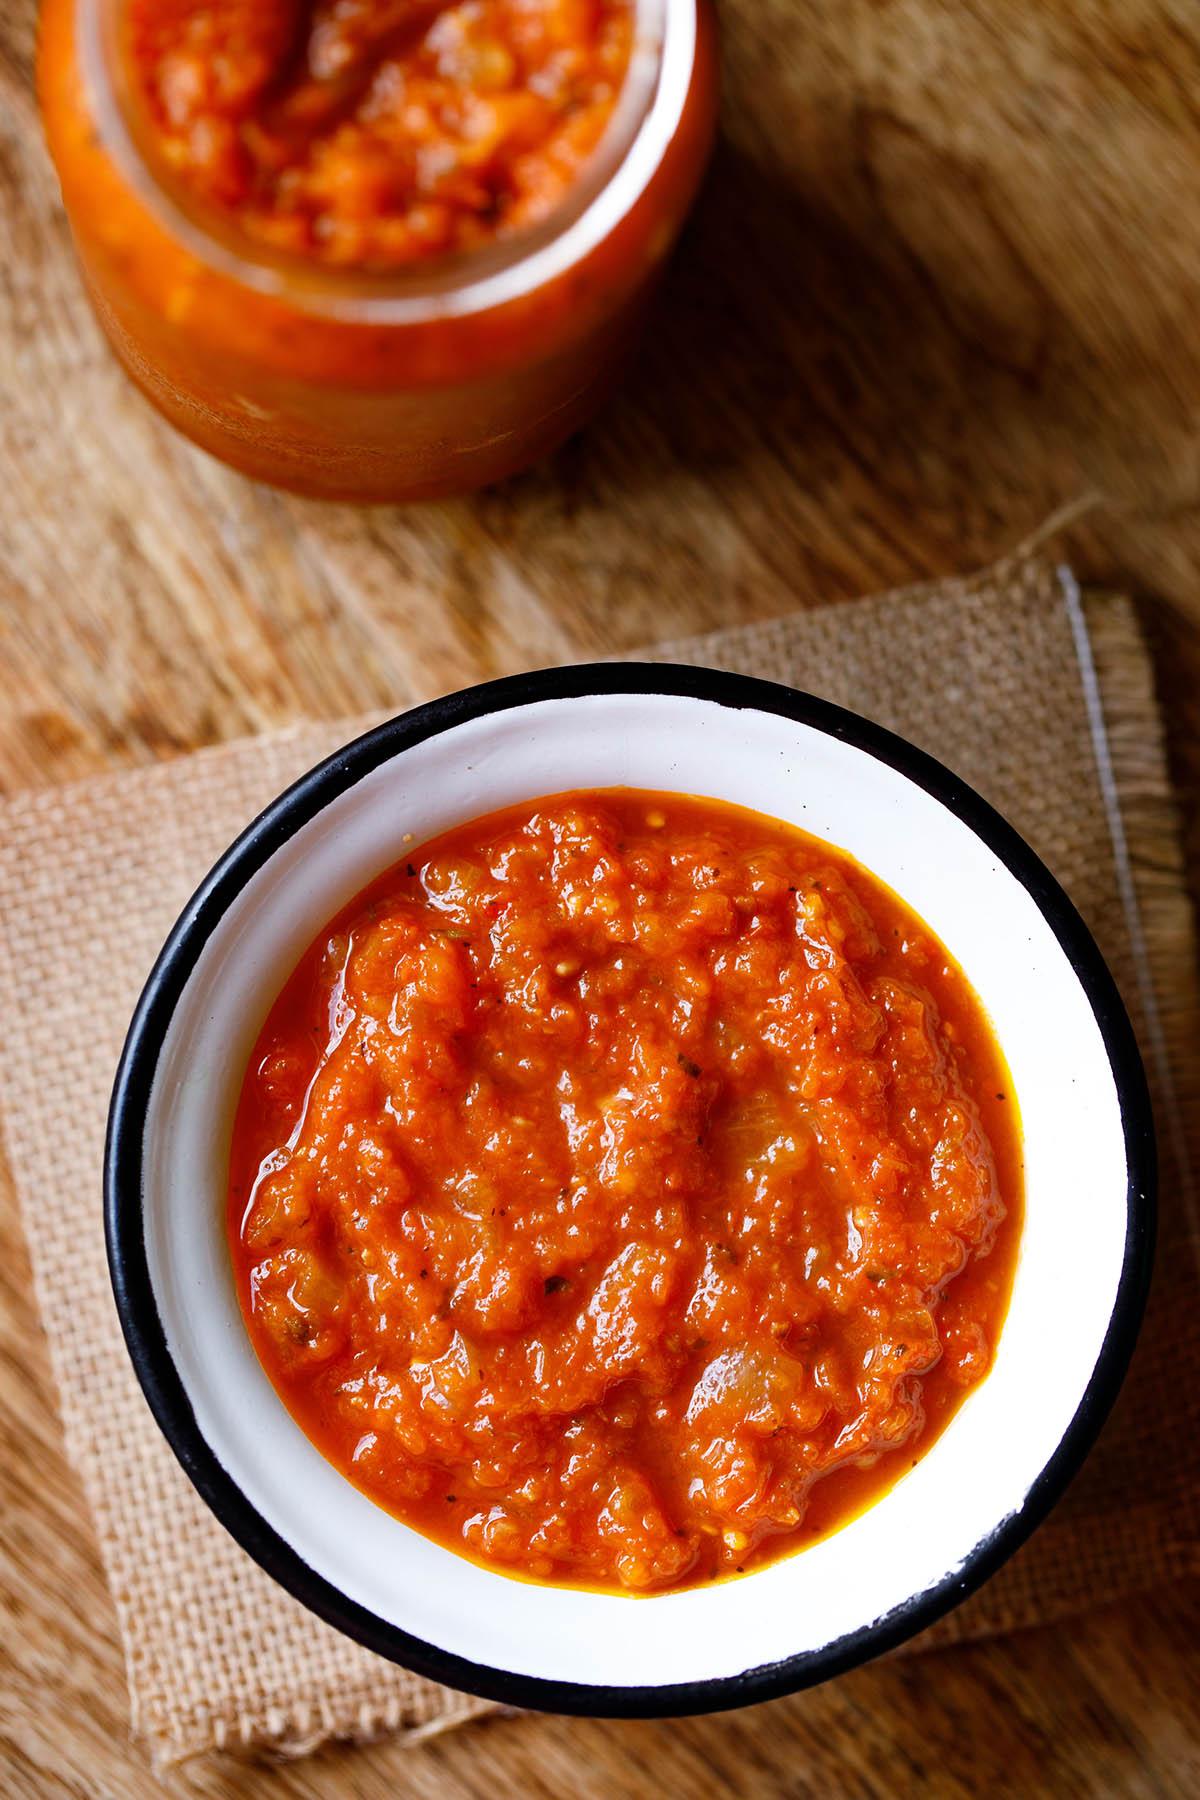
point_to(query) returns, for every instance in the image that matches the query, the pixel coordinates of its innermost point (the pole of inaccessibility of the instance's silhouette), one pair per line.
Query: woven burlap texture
(995, 675)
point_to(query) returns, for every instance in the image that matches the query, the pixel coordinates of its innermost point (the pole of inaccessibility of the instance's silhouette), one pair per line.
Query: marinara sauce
(625, 1190)
(376, 249)
(378, 133)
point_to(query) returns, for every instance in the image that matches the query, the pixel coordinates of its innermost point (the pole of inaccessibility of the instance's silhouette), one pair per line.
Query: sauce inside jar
(625, 1190)
(378, 133)
(325, 239)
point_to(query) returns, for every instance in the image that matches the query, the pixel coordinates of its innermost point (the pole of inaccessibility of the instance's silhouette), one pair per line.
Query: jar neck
(644, 120)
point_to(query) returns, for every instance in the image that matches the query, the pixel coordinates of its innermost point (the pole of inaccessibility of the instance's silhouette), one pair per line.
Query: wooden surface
(944, 277)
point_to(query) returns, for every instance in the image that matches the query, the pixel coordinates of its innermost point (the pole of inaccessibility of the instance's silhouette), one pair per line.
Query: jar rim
(647, 114)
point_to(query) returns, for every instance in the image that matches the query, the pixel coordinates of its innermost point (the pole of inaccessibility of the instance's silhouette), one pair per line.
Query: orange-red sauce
(309, 377)
(625, 1189)
(378, 133)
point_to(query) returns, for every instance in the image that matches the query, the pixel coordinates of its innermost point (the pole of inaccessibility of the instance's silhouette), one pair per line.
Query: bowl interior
(979, 1473)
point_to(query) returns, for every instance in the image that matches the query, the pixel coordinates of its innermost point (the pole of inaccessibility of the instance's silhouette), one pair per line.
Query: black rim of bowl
(123, 1178)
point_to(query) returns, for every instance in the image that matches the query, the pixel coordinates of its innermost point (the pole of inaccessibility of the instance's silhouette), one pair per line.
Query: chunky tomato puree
(378, 132)
(625, 1189)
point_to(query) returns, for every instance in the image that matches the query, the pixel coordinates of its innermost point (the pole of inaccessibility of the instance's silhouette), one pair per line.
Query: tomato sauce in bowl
(625, 1190)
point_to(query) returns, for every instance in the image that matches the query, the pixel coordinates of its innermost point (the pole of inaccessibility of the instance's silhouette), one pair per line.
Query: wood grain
(943, 278)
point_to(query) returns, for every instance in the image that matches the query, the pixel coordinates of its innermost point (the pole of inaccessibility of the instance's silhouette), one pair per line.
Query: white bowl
(1084, 1258)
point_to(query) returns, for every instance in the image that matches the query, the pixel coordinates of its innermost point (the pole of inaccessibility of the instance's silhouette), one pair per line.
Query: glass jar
(363, 387)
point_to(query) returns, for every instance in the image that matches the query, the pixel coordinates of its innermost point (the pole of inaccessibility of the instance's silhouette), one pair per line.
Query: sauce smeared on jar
(625, 1190)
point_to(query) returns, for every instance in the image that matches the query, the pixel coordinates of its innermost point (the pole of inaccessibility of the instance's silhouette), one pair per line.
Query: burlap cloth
(1052, 718)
